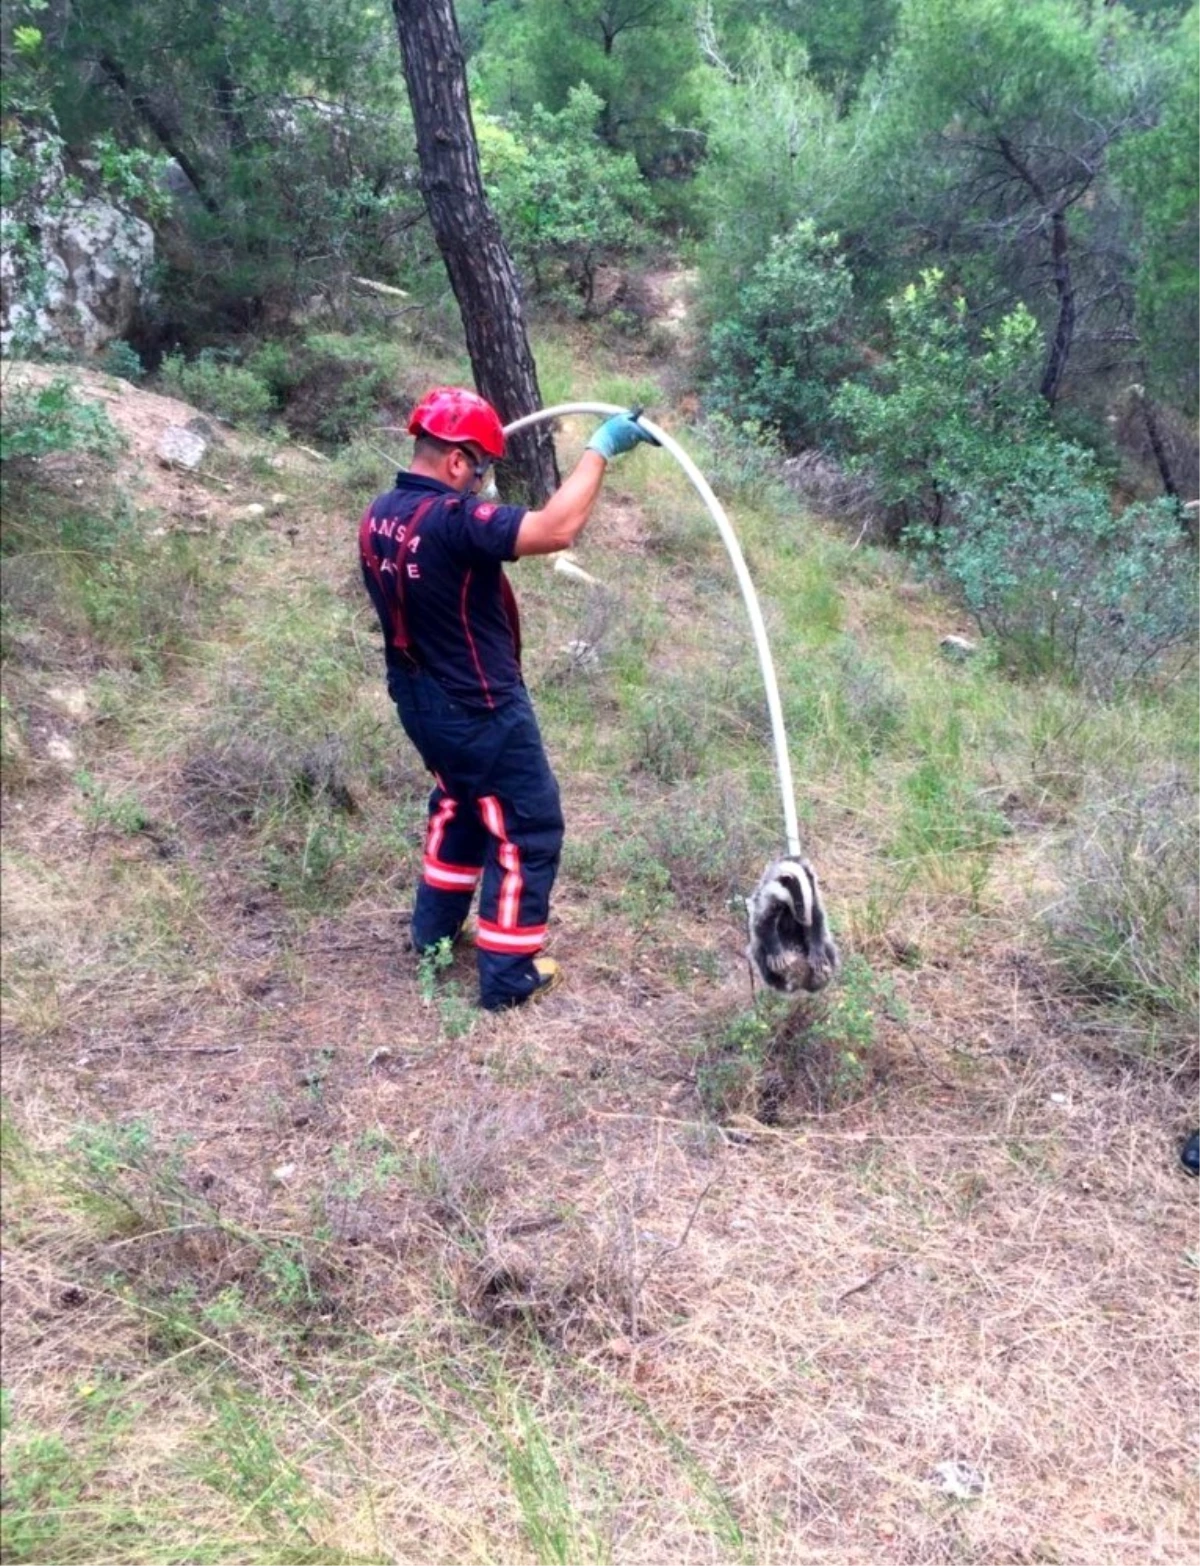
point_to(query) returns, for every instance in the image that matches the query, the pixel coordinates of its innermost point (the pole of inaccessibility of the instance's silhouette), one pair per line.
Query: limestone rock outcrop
(72, 266)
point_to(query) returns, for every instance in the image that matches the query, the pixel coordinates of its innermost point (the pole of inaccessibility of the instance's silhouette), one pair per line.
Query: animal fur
(790, 945)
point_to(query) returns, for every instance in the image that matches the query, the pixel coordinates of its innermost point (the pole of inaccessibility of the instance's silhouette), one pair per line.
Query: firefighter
(432, 552)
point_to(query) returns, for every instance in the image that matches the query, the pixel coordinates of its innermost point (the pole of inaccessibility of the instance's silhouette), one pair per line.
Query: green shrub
(123, 360)
(566, 202)
(38, 422)
(775, 356)
(819, 1050)
(1068, 585)
(334, 384)
(705, 836)
(1018, 520)
(230, 391)
(943, 409)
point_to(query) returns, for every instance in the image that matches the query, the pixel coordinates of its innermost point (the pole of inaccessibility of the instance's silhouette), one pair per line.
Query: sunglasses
(480, 466)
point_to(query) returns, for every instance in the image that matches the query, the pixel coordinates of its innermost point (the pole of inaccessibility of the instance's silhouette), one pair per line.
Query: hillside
(305, 1259)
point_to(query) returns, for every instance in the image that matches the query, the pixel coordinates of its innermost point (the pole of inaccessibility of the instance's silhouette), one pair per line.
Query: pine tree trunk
(1064, 330)
(480, 268)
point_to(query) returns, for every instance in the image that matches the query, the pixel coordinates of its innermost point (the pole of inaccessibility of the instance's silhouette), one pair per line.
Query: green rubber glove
(619, 434)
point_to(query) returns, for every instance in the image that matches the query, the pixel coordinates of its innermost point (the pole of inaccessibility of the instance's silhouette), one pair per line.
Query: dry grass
(399, 1282)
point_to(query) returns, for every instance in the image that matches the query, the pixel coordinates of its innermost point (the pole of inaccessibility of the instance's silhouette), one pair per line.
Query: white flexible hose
(729, 537)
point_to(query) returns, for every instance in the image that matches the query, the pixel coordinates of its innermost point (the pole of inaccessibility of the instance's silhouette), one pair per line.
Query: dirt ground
(951, 1321)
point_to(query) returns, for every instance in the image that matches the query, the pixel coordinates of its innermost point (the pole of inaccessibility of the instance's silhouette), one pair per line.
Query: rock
(583, 654)
(959, 1480)
(958, 647)
(251, 513)
(283, 1173)
(61, 750)
(71, 699)
(181, 448)
(205, 428)
(72, 267)
(279, 500)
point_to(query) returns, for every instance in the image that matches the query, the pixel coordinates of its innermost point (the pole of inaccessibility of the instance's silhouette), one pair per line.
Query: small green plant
(245, 1462)
(843, 1027)
(285, 1268)
(43, 1482)
(131, 1182)
(431, 964)
(36, 422)
(309, 855)
(671, 737)
(456, 1012)
(230, 391)
(731, 1060)
(123, 360)
(227, 1310)
(117, 812)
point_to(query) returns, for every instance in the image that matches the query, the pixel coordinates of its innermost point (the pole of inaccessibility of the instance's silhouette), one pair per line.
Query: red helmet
(452, 414)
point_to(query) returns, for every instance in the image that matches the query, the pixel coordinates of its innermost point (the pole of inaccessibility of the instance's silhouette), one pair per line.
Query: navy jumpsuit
(431, 561)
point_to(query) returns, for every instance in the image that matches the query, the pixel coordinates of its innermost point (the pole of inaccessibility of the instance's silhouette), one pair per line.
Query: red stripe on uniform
(466, 625)
(450, 878)
(513, 943)
(438, 822)
(438, 872)
(508, 912)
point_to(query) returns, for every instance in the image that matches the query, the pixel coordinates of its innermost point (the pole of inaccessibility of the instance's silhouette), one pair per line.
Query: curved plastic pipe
(729, 538)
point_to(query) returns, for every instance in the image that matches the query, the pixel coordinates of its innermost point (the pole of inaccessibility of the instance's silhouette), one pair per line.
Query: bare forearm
(561, 519)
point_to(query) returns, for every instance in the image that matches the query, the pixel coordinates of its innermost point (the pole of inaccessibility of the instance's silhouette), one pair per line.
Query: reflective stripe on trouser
(496, 805)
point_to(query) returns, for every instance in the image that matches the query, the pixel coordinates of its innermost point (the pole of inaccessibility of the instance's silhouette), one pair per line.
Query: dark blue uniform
(432, 562)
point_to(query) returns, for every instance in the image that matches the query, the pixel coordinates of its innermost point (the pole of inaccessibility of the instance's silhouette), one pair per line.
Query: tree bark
(477, 261)
(140, 103)
(1064, 330)
(1158, 447)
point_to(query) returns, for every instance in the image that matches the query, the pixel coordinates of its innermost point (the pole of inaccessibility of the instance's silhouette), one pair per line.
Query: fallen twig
(874, 1277)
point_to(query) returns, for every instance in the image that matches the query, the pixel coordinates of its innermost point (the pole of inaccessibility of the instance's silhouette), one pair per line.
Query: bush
(705, 835)
(332, 385)
(1126, 928)
(566, 202)
(212, 383)
(775, 356)
(1066, 584)
(943, 409)
(123, 361)
(963, 453)
(37, 422)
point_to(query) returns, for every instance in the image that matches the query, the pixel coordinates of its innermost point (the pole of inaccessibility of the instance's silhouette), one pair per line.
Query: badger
(790, 945)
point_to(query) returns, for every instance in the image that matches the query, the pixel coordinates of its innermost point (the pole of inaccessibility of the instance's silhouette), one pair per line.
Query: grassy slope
(306, 1260)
